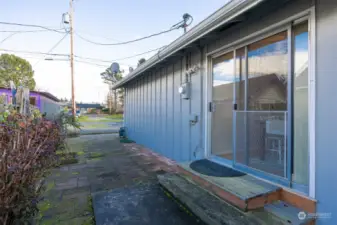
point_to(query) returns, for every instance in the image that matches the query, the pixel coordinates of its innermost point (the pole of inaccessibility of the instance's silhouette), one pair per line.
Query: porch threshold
(245, 192)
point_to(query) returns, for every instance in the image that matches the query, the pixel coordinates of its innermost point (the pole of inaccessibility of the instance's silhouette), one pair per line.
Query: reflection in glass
(264, 129)
(268, 73)
(301, 146)
(222, 117)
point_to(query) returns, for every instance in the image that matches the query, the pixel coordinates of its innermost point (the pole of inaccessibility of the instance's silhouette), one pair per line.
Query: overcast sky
(105, 21)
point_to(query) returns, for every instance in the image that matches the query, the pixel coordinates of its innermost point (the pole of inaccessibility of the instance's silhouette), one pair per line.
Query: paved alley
(123, 184)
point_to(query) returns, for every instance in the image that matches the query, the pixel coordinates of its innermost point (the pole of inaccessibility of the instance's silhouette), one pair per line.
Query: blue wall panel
(153, 109)
(185, 114)
(169, 113)
(141, 110)
(197, 148)
(163, 119)
(138, 113)
(326, 111)
(148, 110)
(158, 113)
(132, 113)
(133, 119)
(136, 110)
(177, 125)
(126, 106)
(158, 118)
(145, 112)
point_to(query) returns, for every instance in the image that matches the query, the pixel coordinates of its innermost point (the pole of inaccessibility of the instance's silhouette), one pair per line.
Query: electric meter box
(185, 90)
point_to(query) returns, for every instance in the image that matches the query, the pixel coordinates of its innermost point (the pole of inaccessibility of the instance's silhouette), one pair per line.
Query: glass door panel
(300, 129)
(222, 98)
(263, 124)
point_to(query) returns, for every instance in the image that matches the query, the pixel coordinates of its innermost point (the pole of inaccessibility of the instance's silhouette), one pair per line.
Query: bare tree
(111, 78)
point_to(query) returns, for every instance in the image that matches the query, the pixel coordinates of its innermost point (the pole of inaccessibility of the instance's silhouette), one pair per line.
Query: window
(32, 101)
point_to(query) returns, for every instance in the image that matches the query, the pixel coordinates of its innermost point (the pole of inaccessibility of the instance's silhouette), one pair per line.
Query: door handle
(211, 107)
(235, 106)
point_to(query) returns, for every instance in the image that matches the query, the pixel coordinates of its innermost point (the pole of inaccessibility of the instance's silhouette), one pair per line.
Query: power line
(80, 61)
(32, 57)
(6, 38)
(31, 25)
(120, 59)
(19, 32)
(90, 63)
(125, 42)
(181, 24)
(59, 42)
(82, 57)
(27, 31)
(94, 35)
(30, 52)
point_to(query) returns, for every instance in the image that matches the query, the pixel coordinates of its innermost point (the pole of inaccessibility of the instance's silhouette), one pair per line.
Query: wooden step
(280, 212)
(245, 192)
(215, 211)
(299, 201)
(209, 208)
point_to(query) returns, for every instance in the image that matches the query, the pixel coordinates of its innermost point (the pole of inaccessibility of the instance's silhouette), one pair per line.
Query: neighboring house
(88, 107)
(44, 101)
(259, 102)
(85, 107)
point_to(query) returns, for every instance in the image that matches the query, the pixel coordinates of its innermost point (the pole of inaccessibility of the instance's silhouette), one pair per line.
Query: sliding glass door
(265, 116)
(260, 99)
(222, 98)
(300, 168)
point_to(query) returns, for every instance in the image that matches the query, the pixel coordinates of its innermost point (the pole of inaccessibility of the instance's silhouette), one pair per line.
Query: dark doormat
(209, 168)
(143, 204)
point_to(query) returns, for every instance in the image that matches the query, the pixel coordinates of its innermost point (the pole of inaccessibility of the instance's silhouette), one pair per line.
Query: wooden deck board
(206, 206)
(244, 187)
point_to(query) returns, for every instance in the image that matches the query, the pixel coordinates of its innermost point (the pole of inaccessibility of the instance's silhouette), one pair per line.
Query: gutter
(224, 15)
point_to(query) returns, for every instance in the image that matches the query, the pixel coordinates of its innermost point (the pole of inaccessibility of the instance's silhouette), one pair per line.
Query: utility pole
(72, 56)
(115, 101)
